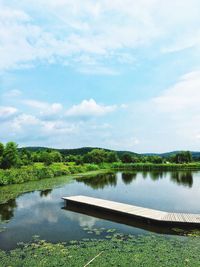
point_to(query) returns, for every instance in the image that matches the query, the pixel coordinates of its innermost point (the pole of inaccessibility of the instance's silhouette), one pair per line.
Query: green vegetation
(117, 250)
(21, 165)
(9, 156)
(159, 167)
(12, 191)
(40, 171)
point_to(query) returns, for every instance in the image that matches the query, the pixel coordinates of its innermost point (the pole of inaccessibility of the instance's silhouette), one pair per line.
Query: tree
(112, 157)
(95, 156)
(56, 156)
(46, 157)
(78, 160)
(155, 159)
(25, 157)
(135, 159)
(35, 157)
(70, 158)
(1, 152)
(10, 156)
(1, 149)
(182, 157)
(126, 158)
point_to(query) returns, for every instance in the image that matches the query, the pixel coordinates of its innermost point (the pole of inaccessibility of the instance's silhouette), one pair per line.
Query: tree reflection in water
(128, 177)
(45, 193)
(156, 175)
(144, 174)
(182, 178)
(7, 210)
(100, 181)
(110, 179)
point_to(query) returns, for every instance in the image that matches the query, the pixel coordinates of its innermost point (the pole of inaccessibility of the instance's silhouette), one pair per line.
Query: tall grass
(39, 171)
(151, 166)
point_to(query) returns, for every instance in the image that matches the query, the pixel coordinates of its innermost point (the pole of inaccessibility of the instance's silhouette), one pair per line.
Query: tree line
(11, 156)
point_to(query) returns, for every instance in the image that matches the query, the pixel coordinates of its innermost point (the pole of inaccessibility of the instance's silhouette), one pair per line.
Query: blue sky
(119, 74)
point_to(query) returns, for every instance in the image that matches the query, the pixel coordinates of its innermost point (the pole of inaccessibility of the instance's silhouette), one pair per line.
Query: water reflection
(145, 174)
(45, 193)
(100, 181)
(39, 212)
(182, 178)
(7, 210)
(103, 180)
(156, 175)
(128, 178)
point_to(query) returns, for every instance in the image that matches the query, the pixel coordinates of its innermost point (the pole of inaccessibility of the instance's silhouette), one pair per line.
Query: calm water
(40, 212)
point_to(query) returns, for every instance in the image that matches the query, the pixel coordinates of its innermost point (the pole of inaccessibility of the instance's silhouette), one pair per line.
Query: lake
(41, 212)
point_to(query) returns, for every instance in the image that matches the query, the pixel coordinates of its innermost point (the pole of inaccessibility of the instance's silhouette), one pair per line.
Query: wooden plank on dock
(147, 214)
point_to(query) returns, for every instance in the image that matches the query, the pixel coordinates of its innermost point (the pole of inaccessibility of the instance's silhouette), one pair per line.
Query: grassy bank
(160, 167)
(116, 250)
(12, 191)
(39, 171)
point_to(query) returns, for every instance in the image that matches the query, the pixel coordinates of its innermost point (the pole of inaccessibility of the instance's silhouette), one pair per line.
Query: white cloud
(101, 31)
(6, 112)
(24, 120)
(89, 108)
(49, 124)
(58, 127)
(44, 108)
(64, 129)
(171, 120)
(183, 96)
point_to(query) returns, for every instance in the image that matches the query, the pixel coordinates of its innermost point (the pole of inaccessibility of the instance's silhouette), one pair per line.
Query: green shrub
(92, 167)
(40, 171)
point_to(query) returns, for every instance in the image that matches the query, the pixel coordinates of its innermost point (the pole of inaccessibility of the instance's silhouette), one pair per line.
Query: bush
(39, 171)
(92, 167)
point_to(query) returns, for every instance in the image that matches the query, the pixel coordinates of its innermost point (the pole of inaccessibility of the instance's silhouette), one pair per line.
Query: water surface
(40, 212)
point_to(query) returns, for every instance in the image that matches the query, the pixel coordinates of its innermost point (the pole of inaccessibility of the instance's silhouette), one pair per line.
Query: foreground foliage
(40, 171)
(119, 250)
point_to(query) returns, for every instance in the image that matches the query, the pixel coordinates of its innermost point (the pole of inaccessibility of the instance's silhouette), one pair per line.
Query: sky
(121, 74)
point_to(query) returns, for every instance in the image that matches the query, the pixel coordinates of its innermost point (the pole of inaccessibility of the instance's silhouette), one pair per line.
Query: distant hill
(70, 151)
(84, 150)
(76, 151)
(195, 155)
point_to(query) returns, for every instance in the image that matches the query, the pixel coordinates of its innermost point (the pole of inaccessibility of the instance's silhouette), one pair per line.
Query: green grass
(14, 190)
(117, 250)
(38, 171)
(161, 167)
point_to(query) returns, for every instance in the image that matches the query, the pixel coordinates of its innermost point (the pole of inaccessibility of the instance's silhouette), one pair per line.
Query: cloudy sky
(121, 74)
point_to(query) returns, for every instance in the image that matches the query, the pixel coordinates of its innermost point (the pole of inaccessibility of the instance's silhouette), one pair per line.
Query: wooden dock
(135, 212)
